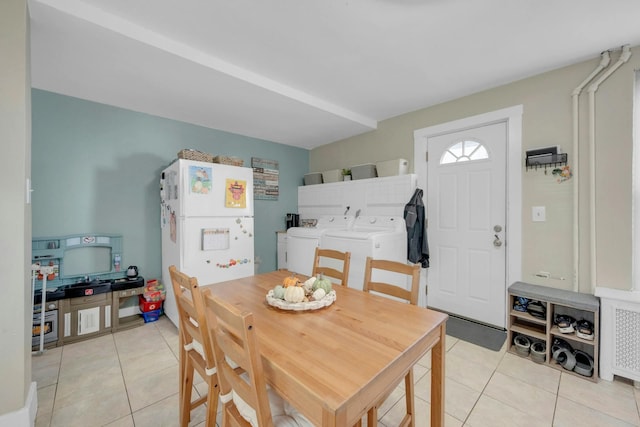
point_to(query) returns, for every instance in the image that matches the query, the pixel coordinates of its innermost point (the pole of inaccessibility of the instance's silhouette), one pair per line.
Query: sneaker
(584, 329)
(520, 304)
(565, 323)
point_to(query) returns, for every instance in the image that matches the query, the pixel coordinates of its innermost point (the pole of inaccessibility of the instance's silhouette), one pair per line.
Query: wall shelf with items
(545, 157)
(543, 329)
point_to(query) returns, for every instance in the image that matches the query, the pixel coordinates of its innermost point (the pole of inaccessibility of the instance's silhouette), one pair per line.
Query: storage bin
(148, 305)
(393, 167)
(363, 171)
(151, 316)
(228, 160)
(313, 178)
(190, 154)
(334, 175)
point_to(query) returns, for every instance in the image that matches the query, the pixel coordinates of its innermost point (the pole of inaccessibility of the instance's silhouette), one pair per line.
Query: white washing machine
(303, 241)
(379, 237)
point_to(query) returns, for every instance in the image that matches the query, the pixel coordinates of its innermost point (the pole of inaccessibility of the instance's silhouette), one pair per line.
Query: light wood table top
(334, 363)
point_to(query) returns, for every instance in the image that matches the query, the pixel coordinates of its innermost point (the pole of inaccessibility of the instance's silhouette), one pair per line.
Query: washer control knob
(372, 220)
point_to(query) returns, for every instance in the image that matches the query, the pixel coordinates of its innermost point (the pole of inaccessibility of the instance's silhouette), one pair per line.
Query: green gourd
(322, 283)
(278, 292)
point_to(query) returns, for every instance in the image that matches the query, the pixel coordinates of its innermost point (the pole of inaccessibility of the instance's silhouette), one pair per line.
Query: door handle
(497, 242)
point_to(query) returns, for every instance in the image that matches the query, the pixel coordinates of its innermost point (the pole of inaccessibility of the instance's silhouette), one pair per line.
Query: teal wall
(95, 169)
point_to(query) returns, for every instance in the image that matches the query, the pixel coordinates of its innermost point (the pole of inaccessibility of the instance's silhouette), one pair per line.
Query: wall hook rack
(545, 157)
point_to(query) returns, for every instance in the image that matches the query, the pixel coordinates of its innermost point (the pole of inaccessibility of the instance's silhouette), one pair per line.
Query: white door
(466, 211)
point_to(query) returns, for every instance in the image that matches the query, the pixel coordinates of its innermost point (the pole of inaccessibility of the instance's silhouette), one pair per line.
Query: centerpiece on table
(292, 294)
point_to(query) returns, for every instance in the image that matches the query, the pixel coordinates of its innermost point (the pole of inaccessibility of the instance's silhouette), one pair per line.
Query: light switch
(538, 214)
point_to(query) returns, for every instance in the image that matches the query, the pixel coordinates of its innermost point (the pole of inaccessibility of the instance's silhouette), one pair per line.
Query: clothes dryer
(378, 237)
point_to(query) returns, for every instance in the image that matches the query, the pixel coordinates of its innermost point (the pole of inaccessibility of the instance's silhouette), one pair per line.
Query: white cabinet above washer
(375, 196)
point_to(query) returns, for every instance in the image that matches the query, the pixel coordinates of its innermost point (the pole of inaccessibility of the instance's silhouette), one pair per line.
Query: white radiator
(619, 333)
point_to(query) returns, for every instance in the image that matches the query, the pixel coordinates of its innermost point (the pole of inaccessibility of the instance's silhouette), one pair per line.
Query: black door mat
(476, 333)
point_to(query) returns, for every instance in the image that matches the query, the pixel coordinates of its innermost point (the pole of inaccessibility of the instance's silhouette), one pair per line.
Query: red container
(146, 306)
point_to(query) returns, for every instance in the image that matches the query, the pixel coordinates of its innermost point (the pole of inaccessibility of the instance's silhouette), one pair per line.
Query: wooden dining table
(336, 362)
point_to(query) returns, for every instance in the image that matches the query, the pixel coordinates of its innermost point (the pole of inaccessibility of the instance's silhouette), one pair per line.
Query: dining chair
(402, 271)
(246, 398)
(196, 352)
(326, 270)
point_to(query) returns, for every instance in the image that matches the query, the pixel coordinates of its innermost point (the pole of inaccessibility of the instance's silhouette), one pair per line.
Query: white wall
(547, 120)
(15, 215)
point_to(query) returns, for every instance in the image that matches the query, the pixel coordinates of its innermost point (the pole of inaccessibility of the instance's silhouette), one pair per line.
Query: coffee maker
(292, 220)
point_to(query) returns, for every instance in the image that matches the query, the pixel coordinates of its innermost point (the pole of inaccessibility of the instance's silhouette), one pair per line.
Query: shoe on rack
(584, 363)
(537, 309)
(523, 345)
(520, 304)
(584, 329)
(539, 351)
(565, 323)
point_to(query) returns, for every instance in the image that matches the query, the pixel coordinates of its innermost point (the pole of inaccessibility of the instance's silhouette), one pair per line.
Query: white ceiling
(306, 73)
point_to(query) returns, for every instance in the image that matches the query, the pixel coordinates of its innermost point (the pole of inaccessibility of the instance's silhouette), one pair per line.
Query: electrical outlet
(538, 214)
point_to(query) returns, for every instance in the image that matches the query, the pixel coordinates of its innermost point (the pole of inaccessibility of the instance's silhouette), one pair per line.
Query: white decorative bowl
(301, 306)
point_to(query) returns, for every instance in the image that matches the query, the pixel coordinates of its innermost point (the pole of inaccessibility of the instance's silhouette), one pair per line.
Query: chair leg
(212, 402)
(181, 369)
(410, 401)
(372, 417)
(187, 388)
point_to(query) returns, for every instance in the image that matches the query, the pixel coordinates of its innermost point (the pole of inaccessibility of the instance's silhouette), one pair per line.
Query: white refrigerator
(207, 224)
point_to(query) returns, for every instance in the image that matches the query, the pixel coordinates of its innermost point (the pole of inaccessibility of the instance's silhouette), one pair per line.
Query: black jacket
(414, 216)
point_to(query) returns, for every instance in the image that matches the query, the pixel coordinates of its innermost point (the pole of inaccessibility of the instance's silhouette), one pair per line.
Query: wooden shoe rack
(557, 301)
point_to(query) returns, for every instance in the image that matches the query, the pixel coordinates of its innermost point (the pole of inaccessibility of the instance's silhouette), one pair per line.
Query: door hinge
(426, 156)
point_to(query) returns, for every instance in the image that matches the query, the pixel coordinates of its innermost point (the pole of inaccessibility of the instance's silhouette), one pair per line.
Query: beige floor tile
(519, 394)
(96, 411)
(489, 412)
(99, 346)
(571, 414)
(148, 390)
(51, 356)
(613, 398)
(479, 355)
(45, 375)
(145, 365)
(137, 342)
(530, 372)
(466, 371)
(165, 413)
(122, 422)
(166, 328)
(423, 415)
(46, 396)
(89, 385)
(459, 399)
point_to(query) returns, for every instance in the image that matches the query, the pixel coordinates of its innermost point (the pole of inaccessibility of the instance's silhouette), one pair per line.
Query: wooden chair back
(196, 350)
(341, 275)
(234, 339)
(413, 271)
(411, 296)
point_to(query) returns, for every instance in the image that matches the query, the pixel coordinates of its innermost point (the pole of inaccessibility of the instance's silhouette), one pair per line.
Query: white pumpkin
(294, 294)
(308, 284)
(318, 294)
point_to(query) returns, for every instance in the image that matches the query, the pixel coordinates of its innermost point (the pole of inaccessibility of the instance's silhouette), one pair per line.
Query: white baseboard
(25, 416)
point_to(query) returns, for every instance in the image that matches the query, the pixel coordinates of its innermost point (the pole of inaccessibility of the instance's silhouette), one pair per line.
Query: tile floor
(130, 379)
